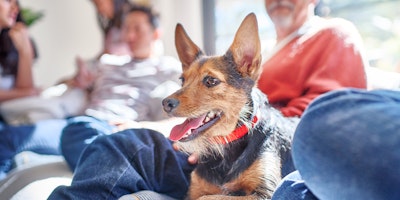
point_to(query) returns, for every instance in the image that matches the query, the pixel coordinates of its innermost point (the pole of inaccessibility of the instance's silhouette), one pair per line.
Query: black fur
(273, 132)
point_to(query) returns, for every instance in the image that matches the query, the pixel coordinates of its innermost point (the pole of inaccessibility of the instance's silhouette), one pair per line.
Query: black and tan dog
(239, 137)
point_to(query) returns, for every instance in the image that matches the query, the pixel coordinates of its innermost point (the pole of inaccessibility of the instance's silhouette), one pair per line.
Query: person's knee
(292, 186)
(79, 133)
(326, 108)
(336, 97)
(83, 128)
(318, 125)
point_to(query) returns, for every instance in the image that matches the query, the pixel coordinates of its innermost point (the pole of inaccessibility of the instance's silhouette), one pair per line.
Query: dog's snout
(169, 104)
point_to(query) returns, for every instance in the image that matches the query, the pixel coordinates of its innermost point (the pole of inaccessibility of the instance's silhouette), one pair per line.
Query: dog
(240, 139)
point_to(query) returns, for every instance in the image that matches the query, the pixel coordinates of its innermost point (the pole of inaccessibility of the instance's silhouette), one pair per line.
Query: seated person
(110, 14)
(119, 93)
(17, 54)
(122, 96)
(312, 56)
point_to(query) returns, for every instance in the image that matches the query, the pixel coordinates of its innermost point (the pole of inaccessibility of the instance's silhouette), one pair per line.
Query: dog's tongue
(181, 129)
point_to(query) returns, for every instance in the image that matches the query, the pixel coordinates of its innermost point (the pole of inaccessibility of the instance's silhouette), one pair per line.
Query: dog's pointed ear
(246, 47)
(187, 50)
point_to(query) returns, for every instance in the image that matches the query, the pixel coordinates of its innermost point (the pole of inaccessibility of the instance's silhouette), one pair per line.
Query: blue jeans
(126, 162)
(79, 133)
(42, 137)
(347, 146)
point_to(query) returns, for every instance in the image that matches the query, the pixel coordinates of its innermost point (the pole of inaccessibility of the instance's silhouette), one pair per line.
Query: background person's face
(285, 12)
(8, 13)
(139, 34)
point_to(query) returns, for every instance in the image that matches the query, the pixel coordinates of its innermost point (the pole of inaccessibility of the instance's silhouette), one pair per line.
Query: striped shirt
(134, 90)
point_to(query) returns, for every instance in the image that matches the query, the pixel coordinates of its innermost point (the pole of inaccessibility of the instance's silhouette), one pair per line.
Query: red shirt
(326, 57)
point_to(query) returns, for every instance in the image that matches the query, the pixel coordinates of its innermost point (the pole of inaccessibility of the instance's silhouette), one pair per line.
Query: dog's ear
(187, 50)
(246, 47)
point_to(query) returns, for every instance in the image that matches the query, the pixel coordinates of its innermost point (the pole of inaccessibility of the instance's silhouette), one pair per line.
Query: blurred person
(119, 97)
(110, 14)
(17, 54)
(312, 55)
(123, 95)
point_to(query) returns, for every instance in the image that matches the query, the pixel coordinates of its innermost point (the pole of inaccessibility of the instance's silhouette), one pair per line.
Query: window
(378, 22)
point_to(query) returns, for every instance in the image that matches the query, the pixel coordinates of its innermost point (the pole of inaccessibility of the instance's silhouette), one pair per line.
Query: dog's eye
(209, 81)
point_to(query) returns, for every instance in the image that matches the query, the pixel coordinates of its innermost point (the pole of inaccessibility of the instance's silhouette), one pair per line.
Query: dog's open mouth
(191, 127)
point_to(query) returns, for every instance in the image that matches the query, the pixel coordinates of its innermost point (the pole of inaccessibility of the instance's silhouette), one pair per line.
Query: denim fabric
(80, 132)
(292, 187)
(347, 145)
(42, 138)
(126, 162)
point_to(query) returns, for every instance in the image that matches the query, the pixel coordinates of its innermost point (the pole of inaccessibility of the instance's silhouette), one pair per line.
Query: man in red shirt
(312, 56)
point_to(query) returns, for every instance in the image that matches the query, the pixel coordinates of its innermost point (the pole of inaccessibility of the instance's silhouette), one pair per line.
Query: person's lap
(42, 137)
(347, 147)
(126, 162)
(323, 148)
(79, 133)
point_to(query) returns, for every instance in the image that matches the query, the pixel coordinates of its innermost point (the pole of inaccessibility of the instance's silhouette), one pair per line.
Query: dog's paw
(213, 197)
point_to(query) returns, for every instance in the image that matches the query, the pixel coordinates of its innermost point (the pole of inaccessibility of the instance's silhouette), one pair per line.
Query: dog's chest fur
(238, 156)
(271, 133)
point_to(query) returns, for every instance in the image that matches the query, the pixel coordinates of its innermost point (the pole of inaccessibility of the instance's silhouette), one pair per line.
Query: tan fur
(249, 181)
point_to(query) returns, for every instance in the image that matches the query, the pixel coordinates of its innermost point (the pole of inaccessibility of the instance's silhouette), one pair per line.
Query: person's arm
(24, 83)
(20, 37)
(340, 64)
(17, 93)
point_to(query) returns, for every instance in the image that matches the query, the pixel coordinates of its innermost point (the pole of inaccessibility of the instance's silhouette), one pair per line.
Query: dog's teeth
(214, 115)
(207, 119)
(211, 115)
(186, 134)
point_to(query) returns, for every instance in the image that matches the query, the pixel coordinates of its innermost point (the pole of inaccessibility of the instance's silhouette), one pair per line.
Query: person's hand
(125, 124)
(192, 159)
(20, 37)
(84, 77)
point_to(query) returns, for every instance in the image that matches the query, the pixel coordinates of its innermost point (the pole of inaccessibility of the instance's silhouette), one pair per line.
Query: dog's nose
(169, 104)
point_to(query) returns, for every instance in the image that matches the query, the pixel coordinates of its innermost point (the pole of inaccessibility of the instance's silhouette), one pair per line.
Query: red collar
(236, 134)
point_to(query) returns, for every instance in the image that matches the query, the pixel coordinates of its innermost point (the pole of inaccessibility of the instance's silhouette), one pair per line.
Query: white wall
(186, 12)
(69, 28)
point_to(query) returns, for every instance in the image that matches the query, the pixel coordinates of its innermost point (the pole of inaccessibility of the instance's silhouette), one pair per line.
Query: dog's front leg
(200, 187)
(224, 197)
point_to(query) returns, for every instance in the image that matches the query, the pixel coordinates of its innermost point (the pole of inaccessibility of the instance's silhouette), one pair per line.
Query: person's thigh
(42, 137)
(78, 134)
(127, 162)
(347, 145)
